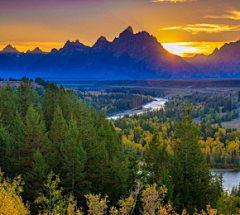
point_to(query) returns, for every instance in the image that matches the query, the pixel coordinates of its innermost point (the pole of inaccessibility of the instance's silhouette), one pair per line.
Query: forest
(219, 145)
(58, 155)
(113, 102)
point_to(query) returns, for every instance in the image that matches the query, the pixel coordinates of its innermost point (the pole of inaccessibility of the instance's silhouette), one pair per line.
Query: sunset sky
(183, 27)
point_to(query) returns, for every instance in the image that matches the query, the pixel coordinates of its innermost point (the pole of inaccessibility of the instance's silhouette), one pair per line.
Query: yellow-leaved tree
(10, 199)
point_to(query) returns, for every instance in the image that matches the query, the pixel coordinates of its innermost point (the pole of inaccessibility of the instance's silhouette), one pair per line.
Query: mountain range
(129, 56)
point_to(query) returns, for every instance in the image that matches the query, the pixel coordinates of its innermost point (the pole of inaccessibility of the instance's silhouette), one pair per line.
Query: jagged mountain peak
(101, 44)
(72, 43)
(71, 47)
(54, 50)
(129, 29)
(10, 49)
(215, 50)
(102, 39)
(130, 55)
(37, 50)
(126, 33)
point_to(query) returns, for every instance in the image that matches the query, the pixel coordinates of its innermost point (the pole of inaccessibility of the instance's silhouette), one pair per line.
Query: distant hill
(129, 56)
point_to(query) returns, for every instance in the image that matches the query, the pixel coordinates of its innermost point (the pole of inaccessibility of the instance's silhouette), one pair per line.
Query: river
(230, 178)
(157, 103)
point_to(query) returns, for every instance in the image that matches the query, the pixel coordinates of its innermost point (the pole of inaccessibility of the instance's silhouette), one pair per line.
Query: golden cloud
(209, 28)
(174, 1)
(231, 14)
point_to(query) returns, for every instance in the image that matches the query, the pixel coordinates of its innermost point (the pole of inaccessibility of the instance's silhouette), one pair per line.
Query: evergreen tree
(8, 105)
(35, 137)
(64, 102)
(97, 165)
(57, 135)
(5, 149)
(26, 96)
(157, 160)
(190, 174)
(17, 145)
(37, 174)
(133, 168)
(48, 104)
(73, 162)
(113, 164)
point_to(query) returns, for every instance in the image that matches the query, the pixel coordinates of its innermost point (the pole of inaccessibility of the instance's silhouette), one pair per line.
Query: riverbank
(231, 178)
(156, 104)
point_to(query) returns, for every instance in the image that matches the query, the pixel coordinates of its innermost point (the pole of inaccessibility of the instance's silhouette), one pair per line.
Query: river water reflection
(230, 178)
(156, 104)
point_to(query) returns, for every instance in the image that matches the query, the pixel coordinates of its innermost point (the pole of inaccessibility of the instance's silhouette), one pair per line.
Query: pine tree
(48, 104)
(5, 149)
(133, 168)
(64, 102)
(114, 166)
(37, 174)
(190, 174)
(95, 151)
(8, 103)
(17, 144)
(26, 96)
(57, 135)
(97, 165)
(157, 160)
(73, 159)
(35, 137)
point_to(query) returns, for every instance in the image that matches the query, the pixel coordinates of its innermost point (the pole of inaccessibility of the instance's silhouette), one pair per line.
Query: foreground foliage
(10, 199)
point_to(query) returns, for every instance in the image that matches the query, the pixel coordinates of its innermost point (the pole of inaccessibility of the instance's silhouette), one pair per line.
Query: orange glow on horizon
(24, 47)
(188, 49)
(183, 49)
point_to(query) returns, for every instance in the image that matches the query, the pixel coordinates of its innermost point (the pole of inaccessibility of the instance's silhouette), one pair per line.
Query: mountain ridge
(129, 56)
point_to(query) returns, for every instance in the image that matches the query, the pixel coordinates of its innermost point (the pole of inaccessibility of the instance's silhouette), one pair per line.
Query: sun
(189, 49)
(182, 49)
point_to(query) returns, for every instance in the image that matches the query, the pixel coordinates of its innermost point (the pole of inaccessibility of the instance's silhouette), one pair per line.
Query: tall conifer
(64, 102)
(37, 174)
(35, 136)
(8, 105)
(73, 159)
(57, 135)
(5, 149)
(26, 96)
(17, 144)
(190, 173)
(48, 104)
